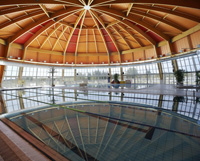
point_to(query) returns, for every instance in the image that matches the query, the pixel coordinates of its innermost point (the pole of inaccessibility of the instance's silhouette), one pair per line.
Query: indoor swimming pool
(91, 125)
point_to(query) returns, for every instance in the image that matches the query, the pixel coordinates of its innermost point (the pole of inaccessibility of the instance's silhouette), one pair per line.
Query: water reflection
(14, 100)
(112, 131)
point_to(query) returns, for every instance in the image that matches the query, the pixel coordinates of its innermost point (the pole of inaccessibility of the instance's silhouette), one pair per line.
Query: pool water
(91, 125)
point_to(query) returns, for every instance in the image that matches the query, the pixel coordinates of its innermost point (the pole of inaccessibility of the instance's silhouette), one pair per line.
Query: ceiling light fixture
(86, 7)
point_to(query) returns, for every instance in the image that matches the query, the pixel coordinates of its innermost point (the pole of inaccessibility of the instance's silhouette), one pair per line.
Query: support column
(110, 74)
(157, 51)
(63, 71)
(2, 71)
(24, 53)
(175, 65)
(122, 96)
(21, 102)
(189, 42)
(171, 48)
(75, 94)
(74, 74)
(7, 49)
(20, 81)
(160, 101)
(3, 108)
(172, 52)
(121, 72)
(160, 71)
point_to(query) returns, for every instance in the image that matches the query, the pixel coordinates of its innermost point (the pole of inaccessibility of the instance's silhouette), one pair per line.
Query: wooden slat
(42, 20)
(113, 13)
(104, 41)
(34, 2)
(113, 40)
(181, 3)
(71, 33)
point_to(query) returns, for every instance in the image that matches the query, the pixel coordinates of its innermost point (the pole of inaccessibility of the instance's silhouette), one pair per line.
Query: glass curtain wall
(167, 69)
(190, 65)
(142, 74)
(138, 74)
(11, 76)
(92, 75)
(68, 76)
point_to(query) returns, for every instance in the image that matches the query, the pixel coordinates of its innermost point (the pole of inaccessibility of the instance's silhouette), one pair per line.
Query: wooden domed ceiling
(105, 27)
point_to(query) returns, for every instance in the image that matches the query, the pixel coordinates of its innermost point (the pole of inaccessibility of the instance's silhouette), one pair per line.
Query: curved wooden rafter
(79, 33)
(180, 3)
(44, 9)
(34, 2)
(160, 19)
(19, 9)
(71, 33)
(115, 13)
(110, 35)
(104, 41)
(39, 32)
(134, 27)
(43, 20)
(169, 11)
(30, 15)
(134, 38)
(117, 31)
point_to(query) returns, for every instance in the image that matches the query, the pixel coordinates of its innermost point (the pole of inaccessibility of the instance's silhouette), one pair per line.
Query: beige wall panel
(15, 53)
(31, 55)
(181, 44)
(103, 59)
(44, 57)
(195, 38)
(138, 55)
(150, 53)
(114, 58)
(82, 59)
(56, 58)
(70, 58)
(164, 50)
(94, 59)
(128, 57)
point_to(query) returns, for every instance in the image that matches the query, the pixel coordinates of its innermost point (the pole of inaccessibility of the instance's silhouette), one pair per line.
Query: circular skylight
(87, 7)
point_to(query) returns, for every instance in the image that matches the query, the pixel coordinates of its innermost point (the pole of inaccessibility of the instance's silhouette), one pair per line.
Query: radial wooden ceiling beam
(7, 23)
(134, 27)
(113, 40)
(79, 34)
(180, 3)
(115, 13)
(135, 38)
(168, 22)
(71, 33)
(127, 43)
(95, 41)
(36, 2)
(169, 11)
(44, 9)
(14, 10)
(97, 24)
(42, 20)
(129, 9)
